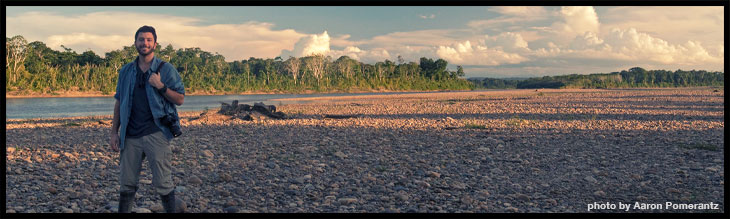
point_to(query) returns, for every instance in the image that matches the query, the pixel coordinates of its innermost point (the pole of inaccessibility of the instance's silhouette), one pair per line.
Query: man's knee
(128, 188)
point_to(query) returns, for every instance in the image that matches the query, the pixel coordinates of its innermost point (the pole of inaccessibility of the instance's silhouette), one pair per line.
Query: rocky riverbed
(494, 151)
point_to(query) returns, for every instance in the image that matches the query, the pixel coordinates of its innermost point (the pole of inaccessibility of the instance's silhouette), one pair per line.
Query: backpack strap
(160, 66)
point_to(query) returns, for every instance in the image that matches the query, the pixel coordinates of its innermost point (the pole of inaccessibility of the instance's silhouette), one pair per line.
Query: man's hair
(146, 29)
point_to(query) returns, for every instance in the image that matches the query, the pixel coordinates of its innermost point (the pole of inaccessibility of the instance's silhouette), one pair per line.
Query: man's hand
(114, 141)
(155, 80)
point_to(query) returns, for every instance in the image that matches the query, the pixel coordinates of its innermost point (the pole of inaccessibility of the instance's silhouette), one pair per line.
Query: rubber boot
(168, 202)
(126, 199)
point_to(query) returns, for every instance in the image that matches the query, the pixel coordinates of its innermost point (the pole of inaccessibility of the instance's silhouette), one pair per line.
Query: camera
(170, 120)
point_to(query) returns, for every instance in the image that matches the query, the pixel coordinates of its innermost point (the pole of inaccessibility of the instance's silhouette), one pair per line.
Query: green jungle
(33, 68)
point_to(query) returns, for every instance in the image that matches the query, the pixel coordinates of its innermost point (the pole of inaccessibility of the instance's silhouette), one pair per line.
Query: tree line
(35, 68)
(633, 78)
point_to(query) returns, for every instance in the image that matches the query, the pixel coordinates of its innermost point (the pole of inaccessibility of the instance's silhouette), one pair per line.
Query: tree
(16, 51)
(292, 67)
(316, 64)
(89, 58)
(344, 66)
(459, 71)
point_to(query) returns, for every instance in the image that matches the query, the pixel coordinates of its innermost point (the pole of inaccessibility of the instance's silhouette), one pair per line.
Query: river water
(58, 107)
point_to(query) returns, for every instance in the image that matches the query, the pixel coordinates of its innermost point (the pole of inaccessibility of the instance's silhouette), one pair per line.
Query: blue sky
(487, 41)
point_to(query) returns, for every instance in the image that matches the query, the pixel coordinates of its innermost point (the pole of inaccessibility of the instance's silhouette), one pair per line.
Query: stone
(231, 209)
(141, 210)
(180, 189)
(226, 178)
(230, 203)
(599, 193)
(52, 190)
(340, 155)
(523, 197)
(157, 208)
(347, 201)
(552, 201)
(207, 153)
(590, 179)
(195, 180)
(180, 205)
(433, 174)
(290, 192)
(223, 193)
(240, 191)
(299, 180)
(673, 190)
(10, 150)
(145, 181)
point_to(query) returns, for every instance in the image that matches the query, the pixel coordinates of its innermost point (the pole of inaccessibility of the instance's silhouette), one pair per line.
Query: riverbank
(497, 152)
(16, 95)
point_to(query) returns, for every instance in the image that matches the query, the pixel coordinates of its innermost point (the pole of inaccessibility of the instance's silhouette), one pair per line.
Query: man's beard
(139, 50)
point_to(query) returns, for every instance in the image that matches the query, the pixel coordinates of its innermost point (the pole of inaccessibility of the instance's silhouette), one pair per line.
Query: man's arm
(114, 136)
(170, 95)
(174, 97)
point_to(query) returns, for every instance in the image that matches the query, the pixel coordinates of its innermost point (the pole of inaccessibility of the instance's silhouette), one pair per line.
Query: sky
(499, 42)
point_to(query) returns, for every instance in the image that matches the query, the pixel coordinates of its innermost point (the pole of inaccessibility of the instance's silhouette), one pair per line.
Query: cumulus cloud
(576, 20)
(250, 39)
(673, 24)
(481, 54)
(645, 47)
(310, 45)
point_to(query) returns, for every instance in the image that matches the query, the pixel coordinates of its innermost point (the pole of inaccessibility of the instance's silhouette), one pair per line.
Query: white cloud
(511, 17)
(671, 23)
(310, 45)
(509, 42)
(251, 39)
(465, 53)
(431, 16)
(576, 20)
(589, 40)
(519, 10)
(645, 47)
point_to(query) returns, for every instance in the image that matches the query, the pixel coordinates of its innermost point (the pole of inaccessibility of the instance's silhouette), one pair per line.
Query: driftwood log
(259, 111)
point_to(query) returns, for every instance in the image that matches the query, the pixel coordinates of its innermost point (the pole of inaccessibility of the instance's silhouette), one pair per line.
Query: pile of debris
(259, 111)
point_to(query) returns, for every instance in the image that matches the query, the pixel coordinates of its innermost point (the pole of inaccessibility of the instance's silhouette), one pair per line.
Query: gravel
(493, 151)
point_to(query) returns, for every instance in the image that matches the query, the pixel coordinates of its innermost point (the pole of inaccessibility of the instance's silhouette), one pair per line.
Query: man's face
(145, 43)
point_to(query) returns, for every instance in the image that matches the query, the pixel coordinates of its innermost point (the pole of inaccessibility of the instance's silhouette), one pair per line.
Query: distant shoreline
(97, 94)
(73, 94)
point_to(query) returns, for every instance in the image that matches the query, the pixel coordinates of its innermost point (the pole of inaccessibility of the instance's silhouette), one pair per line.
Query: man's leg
(130, 165)
(160, 161)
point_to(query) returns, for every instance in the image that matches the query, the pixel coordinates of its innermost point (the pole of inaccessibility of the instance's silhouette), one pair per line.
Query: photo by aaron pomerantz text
(639, 206)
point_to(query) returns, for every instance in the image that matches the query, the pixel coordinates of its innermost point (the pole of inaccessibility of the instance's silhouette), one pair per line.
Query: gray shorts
(156, 148)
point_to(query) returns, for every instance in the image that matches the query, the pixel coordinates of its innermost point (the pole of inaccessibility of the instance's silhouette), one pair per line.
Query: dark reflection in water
(25, 108)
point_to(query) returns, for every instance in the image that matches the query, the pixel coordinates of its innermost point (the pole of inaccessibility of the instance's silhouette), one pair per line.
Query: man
(144, 97)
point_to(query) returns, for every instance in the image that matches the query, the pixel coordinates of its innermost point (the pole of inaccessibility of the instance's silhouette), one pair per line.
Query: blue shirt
(159, 106)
